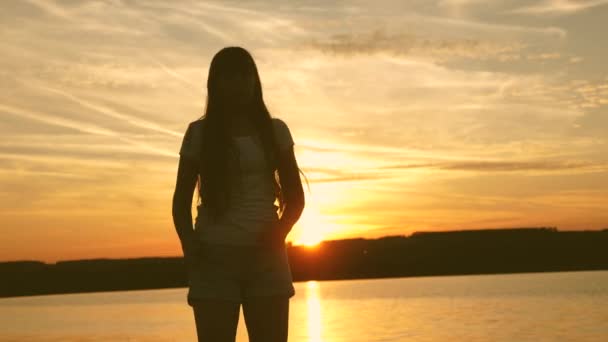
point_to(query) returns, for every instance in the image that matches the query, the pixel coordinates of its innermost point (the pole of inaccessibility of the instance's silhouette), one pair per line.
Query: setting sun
(309, 238)
(312, 227)
(309, 243)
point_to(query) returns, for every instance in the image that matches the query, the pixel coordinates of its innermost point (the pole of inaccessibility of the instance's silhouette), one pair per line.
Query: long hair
(218, 154)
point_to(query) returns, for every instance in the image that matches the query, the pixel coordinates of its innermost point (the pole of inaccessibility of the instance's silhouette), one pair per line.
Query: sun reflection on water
(313, 303)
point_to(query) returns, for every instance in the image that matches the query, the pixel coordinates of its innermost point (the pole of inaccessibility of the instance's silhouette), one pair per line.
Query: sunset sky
(406, 115)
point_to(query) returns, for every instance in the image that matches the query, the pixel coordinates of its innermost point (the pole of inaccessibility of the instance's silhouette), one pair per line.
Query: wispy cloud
(50, 7)
(82, 127)
(20, 172)
(407, 44)
(506, 165)
(481, 27)
(559, 7)
(141, 123)
(57, 121)
(57, 160)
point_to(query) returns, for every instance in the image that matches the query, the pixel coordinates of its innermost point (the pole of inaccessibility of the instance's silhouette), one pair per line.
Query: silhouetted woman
(241, 160)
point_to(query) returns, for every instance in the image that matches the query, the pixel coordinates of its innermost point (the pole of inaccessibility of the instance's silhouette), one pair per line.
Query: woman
(236, 253)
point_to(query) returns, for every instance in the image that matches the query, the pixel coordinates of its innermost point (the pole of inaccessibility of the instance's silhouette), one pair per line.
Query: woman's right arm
(185, 184)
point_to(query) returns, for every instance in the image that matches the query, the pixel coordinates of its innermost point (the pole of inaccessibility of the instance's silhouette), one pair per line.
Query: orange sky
(428, 115)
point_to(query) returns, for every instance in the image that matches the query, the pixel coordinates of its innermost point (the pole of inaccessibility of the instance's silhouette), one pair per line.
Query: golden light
(311, 227)
(313, 302)
(310, 243)
(318, 220)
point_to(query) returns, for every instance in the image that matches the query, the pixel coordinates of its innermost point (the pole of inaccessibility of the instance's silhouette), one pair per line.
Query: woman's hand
(274, 236)
(191, 248)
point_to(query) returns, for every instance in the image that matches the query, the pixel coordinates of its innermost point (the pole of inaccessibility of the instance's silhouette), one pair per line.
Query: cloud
(575, 59)
(58, 121)
(399, 170)
(405, 44)
(559, 7)
(588, 94)
(51, 8)
(62, 160)
(457, 7)
(544, 56)
(506, 165)
(20, 172)
(482, 28)
(83, 127)
(129, 119)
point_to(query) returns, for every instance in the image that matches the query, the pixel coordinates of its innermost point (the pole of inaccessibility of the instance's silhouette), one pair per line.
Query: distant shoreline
(422, 254)
(303, 281)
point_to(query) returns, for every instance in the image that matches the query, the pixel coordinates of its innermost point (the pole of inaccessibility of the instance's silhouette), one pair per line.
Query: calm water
(561, 306)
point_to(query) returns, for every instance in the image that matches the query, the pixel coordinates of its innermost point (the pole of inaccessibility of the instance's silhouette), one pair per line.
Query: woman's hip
(242, 259)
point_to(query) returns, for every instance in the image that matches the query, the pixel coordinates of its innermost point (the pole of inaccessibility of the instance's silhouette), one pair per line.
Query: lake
(555, 306)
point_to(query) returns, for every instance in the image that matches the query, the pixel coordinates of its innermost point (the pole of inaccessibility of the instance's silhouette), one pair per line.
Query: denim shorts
(237, 273)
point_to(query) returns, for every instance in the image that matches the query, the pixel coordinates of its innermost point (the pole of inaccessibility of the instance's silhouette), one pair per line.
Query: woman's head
(233, 88)
(233, 80)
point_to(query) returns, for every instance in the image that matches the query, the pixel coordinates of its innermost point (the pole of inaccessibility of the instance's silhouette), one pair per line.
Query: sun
(312, 242)
(318, 220)
(309, 238)
(312, 228)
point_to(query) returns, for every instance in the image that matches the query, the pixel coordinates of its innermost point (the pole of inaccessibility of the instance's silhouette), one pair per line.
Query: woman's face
(237, 87)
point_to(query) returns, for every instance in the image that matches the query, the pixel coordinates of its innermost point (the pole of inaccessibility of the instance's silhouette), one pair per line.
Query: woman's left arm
(291, 186)
(293, 194)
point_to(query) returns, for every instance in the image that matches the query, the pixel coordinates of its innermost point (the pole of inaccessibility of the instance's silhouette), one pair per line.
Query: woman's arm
(182, 204)
(291, 186)
(293, 194)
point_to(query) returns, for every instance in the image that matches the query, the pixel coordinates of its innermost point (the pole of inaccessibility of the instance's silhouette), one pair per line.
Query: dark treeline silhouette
(459, 252)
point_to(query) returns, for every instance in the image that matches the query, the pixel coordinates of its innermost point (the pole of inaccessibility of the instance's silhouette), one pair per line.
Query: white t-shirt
(253, 206)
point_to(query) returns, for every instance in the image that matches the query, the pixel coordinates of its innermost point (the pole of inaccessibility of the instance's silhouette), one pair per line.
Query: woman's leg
(216, 319)
(267, 318)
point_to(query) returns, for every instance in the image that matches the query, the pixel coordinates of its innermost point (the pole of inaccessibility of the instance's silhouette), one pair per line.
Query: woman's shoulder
(282, 133)
(191, 142)
(279, 123)
(196, 127)
(198, 123)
